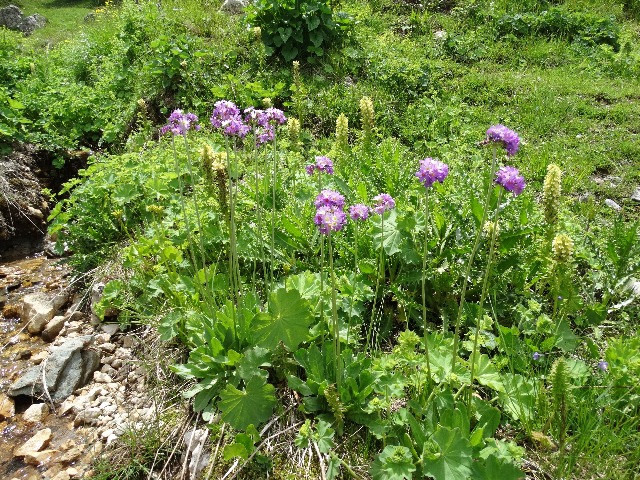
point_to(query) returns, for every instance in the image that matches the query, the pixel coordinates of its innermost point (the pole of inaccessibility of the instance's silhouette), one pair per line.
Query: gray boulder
(31, 23)
(234, 7)
(68, 367)
(10, 17)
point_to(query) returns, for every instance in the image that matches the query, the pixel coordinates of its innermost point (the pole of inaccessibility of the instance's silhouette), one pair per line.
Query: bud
(342, 132)
(266, 102)
(293, 130)
(551, 193)
(367, 115)
(489, 227)
(562, 248)
(257, 32)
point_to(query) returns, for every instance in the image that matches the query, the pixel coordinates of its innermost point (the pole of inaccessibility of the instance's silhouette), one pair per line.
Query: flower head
(510, 179)
(551, 192)
(329, 198)
(509, 139)
(323, 164)
(275, 115)
(358, 212)
(432, 171)
(603, 366)
(330, 219)
(264, 135)
(562, 247)
(254, 116)
(536, 356)
(180, 123)
(383, 202)
(226, 116)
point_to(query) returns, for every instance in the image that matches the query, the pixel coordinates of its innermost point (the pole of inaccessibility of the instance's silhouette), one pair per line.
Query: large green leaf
(486, 374)
(394, 463)
(447, 456)
(387, 233)
(287, 320)
(253, 405)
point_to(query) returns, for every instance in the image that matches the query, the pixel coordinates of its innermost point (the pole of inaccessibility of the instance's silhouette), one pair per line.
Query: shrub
(297, 28)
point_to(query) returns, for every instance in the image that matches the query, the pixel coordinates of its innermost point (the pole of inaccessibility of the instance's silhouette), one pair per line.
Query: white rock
(610, 203)
(110, 328)
(39, 308)
(100, 377)
(636, 195)
(34, 444)
(39, 357)
(36, 413)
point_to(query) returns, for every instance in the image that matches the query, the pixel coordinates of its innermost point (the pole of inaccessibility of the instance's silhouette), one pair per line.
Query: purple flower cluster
(330, 216)
(359, 211)
(329, 198)
(384, 202)
(264, 122)
(180, 123)
(510, 179)
(323, 164)
(432, 171)
(226, 117)
(508, 138)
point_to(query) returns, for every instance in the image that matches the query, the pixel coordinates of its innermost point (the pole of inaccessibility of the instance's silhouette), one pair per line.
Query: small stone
(110, 328)
(111, 438)
(128, 341)
(53, 328)
(35, 443)
(100, 377)
(108, 347)
(636, 195)
(7, 407)
(36, 413)
(39, 357)
(63, 475)
(610, 203)
(11, 311)
(71, 456)
(39, 458)
(73, 472)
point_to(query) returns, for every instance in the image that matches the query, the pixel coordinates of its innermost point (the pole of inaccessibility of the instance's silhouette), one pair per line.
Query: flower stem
(424, 277)
(334, 313)
(483, 295)
(474, 250)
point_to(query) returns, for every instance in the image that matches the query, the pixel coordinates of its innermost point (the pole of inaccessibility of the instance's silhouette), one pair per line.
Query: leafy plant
(297, 28)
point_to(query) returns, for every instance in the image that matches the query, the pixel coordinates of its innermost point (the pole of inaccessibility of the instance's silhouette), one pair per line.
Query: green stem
(334, 313)
(424, 277)
(274, 180)
(483, 295)
(379, 277)
(353, 287)
(474, 250)
(183, 204)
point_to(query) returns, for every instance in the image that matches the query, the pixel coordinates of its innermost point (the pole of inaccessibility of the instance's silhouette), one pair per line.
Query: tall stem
(380, 277)
(474, 250)
(183, 204)
(274, 180)
(353, 287)
(424, 278)
(483, 295)
(334, 313)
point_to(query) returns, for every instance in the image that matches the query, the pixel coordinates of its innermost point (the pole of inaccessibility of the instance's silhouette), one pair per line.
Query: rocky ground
(70, 385)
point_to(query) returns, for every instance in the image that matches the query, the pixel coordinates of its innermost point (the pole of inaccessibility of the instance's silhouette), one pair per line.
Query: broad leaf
(386, 233)
(447, 456)
(394, 463)
(486, 374)
(253, 405)
(287, 321)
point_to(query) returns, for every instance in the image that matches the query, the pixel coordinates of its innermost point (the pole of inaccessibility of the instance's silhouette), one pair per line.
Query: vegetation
(467, 317)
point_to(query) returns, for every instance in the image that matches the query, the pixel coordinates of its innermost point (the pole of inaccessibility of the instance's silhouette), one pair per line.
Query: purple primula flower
(310, 168)
(384, 202)
(265, 134)
(508, 138)
(235, 127)
(329, 198)
(324, 164)
(223, 112)
(330, 219)
(180, 123)
(510, 179)
(603, 366)
(536, 356)
(275, 115)
(432, 171)
(256, 117)
(359, 212)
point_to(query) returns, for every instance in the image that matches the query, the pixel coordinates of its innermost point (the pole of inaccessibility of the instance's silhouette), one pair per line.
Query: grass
(575, 104)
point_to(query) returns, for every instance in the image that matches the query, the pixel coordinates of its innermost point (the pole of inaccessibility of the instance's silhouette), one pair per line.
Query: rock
(10, 17)
(39, 357)
(71, 455)
(110, 328)
(100, 377)
(610, 203)
(39, 308)
(36, 413)
(234, 7)
(67, 368)
(53, 328)
(39, 458)
(12, 310)
(63, 475)
(636, 195)
(34, 444)
(7, 407)
(108, 347)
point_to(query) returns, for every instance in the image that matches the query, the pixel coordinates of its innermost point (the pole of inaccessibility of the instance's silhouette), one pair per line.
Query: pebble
(36, 413)
(101, 377)
(610, 203)
(636, 195)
